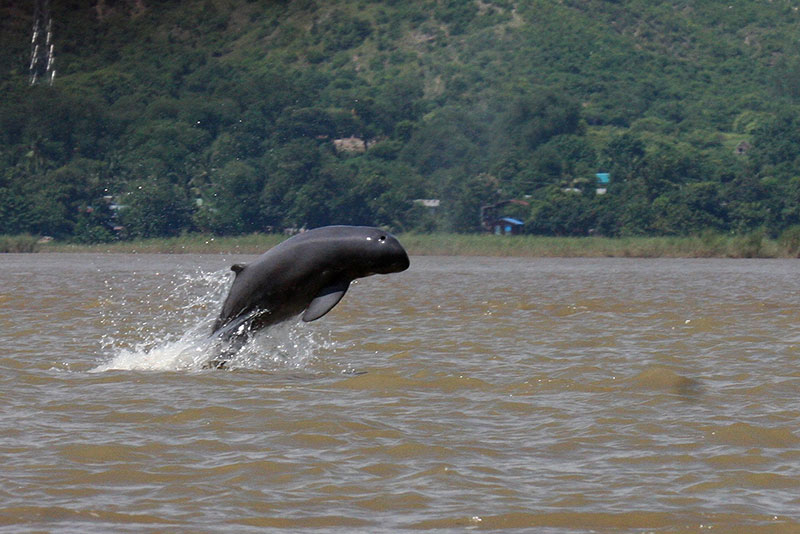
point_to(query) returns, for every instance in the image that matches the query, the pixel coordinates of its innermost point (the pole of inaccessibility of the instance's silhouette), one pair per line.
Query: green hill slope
(233, 116)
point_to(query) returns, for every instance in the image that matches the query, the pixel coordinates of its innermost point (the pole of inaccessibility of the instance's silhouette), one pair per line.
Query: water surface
(561, 395)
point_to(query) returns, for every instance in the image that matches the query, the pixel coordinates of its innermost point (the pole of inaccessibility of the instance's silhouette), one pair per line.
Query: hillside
(233, 116)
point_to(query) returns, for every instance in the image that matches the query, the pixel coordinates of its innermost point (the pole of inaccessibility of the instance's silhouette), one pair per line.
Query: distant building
(350, 144)
(507, 226)
(493, 221)
(603, 178)
(428, 202)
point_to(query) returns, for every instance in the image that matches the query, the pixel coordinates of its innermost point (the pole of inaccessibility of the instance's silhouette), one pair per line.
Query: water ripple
(550, 395)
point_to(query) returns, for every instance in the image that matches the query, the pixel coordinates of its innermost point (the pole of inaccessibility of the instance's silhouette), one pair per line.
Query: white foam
(290, 345)
(184, 354)
(176, 337)
(286, 346)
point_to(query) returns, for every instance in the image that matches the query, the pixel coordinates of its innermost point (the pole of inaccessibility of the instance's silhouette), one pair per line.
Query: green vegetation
(754, 245)
(19, 243)
(184, 244)
(221, 116)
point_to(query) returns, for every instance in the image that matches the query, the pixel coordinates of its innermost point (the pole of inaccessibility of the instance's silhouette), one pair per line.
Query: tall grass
(19, 243)
(707, 245)
(185, 244)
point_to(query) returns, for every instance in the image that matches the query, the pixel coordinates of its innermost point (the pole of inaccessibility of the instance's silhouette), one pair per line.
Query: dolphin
(308, 273)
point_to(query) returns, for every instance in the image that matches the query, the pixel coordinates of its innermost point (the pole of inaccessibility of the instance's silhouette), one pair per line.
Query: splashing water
(290, 345)
(175, 336)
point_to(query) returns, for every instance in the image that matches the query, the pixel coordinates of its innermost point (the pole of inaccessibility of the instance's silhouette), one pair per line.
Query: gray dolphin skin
(308, 273)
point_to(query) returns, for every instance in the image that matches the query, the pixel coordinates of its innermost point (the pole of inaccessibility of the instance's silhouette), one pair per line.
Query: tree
(534, 119)
(155, 208)
(562, 213)
(231, 204)
(463, 199)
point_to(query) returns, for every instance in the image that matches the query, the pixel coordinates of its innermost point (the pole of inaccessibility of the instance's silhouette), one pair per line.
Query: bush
(789, 241)
(750, 245)
(19, 243)
(155, 208)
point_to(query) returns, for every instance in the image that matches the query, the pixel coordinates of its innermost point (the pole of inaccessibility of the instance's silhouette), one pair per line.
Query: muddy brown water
(554, 395)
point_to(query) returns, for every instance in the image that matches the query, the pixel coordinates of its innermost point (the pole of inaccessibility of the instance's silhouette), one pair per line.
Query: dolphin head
(383, 252)
(359, 251)
(366, 250)
(349, 251)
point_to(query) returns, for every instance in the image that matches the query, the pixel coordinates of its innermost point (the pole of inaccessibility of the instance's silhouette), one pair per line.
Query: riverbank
(706, 246)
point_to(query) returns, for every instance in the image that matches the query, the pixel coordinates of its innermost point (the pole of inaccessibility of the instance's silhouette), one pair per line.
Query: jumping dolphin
(308, 273)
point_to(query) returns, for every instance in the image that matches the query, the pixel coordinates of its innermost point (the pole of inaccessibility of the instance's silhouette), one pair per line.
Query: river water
(557, 395)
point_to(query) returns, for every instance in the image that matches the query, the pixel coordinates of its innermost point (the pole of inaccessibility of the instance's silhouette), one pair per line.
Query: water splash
(175, 334)
(290, 345)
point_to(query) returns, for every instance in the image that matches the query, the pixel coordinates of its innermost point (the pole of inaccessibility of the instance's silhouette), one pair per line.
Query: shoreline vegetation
(709, 245)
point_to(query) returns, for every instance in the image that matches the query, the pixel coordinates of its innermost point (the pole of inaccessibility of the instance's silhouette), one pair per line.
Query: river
(557, 395)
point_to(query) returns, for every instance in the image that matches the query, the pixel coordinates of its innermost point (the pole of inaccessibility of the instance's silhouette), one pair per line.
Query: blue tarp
(512, 221)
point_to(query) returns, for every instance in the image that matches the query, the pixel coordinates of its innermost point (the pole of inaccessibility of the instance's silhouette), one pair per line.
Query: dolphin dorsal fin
(326, 299)
(238, 267)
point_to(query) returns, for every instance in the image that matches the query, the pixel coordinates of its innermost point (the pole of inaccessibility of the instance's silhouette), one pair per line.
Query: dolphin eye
(382, 238)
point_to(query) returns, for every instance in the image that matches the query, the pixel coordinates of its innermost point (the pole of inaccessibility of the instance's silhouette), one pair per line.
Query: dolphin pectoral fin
(324, 302)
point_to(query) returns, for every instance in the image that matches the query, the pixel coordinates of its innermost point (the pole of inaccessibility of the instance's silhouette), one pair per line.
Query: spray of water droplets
(166, 327)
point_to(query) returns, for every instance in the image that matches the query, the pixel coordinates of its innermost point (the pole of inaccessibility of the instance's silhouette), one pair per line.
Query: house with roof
(507, 226)
(603, 178)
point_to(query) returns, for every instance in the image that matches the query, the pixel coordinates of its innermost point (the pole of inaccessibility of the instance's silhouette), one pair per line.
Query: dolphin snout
(401, 264)
(396, 255)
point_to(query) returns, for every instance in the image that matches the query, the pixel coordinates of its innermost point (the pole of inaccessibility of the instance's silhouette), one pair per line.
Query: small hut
(507, 226)
(603, 178)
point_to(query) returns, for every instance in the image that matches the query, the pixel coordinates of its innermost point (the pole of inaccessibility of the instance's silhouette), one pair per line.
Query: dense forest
(237, 116)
